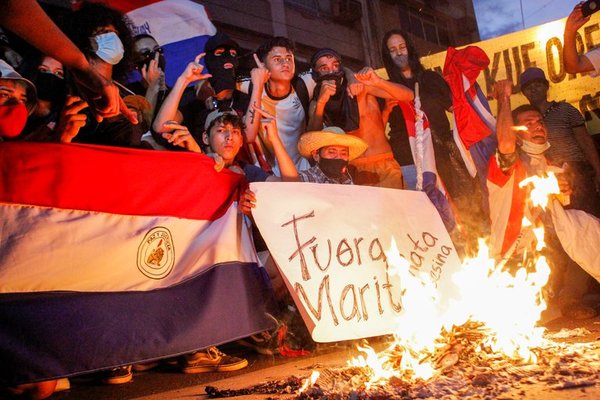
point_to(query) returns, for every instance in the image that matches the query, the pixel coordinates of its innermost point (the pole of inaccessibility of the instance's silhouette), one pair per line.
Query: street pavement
(166, 382)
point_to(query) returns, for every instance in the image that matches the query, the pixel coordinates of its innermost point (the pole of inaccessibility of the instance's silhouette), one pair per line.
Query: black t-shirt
(436, 98)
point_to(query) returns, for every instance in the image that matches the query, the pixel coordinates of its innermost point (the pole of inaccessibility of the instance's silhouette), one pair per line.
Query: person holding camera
(575, 62)
(150, 62)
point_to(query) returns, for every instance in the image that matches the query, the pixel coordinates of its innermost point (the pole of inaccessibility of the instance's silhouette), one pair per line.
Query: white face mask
(534, 148)
(108, 47)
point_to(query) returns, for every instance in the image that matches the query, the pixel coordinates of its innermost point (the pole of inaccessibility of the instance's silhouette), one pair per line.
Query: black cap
(324, 52)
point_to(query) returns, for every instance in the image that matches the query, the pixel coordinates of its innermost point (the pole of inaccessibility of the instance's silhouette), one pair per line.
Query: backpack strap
(302, 92)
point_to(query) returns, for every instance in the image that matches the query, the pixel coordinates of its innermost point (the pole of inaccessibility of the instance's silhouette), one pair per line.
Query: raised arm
(259, 76)
(169, 109)
(316, 110)
(288, 170)
(573, 61)
(507, 139)
(377, 86)
(29, 21)
(155, 80)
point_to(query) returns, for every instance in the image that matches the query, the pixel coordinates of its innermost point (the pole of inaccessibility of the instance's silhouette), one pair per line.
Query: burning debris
(478, 340)
(467, 369)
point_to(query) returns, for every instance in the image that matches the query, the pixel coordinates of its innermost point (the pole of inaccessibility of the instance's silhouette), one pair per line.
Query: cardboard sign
(330, 243)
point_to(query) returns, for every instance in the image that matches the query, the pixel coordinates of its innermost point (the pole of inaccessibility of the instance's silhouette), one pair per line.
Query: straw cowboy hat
(330, 136)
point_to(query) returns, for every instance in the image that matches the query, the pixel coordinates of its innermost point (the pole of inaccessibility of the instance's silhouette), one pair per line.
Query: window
(424, 25)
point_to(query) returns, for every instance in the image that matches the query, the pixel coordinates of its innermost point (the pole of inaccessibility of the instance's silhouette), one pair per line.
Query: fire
(542, 188)
(504, 305)
(310, 381)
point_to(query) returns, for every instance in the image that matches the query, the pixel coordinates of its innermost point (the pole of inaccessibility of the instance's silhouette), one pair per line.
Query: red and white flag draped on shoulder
(110, 256)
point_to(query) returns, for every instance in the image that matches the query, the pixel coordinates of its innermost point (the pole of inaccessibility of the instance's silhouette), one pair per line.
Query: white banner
(330, 243)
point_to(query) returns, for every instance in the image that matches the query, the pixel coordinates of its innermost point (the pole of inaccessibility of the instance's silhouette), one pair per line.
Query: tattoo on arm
(252, 113)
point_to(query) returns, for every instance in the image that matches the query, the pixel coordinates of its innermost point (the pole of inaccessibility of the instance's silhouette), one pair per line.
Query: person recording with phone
(575, 62)
(102, 34)
(150, 62)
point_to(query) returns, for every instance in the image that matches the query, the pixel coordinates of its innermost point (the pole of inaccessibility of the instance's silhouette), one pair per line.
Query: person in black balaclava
(339, 108)
(217, 92)
(221, 61)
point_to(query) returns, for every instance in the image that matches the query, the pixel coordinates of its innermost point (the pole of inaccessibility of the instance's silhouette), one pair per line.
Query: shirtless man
(377, 166)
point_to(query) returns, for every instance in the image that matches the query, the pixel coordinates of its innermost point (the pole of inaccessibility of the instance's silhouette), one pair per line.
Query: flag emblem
(156, 253)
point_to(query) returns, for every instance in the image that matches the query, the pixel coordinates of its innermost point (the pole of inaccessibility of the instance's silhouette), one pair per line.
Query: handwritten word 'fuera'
(345, 256)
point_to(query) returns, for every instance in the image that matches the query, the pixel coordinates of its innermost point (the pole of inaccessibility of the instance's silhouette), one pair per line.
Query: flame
(309, 381)
(506, 306)
(542, 188)
(519, 128)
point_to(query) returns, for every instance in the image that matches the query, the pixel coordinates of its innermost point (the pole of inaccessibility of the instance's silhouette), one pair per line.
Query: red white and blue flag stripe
(421, 147)
(181, 28)
(110, 256)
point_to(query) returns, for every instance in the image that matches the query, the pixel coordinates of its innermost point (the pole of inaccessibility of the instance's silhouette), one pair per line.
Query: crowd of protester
(325, 125)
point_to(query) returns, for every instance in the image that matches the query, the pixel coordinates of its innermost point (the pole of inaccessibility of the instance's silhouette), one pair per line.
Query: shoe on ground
(145, 366)
(62, 384)
(118, 376)
(211, 360)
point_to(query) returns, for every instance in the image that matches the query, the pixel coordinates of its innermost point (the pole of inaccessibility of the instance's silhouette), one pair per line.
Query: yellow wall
(540, 46)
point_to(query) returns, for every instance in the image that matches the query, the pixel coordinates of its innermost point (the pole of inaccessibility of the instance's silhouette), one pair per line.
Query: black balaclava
(222, 78)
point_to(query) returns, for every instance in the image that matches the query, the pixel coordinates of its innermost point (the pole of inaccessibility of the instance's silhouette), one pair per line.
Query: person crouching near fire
(522, 143)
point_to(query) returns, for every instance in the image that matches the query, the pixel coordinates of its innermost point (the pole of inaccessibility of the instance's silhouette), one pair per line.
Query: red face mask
(12, 119)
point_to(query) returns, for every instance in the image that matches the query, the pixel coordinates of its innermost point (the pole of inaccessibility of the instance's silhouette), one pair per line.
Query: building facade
(354, 28)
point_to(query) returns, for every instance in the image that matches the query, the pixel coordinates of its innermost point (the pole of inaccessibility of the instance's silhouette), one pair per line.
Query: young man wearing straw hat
(332, 149)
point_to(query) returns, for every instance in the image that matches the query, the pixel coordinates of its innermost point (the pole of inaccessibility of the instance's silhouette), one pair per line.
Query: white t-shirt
(594, 57)
(291, 121)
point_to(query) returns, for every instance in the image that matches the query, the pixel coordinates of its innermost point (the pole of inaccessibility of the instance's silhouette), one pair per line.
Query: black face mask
(222, 78)
(51, 88)
(333, 167)
(338, 77)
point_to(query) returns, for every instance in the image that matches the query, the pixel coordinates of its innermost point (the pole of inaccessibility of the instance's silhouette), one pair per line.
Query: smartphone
(590, 7)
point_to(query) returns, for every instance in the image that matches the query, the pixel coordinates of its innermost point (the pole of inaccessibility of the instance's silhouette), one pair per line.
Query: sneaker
(117, 376)
(210, 360)
(145, 366)
(62, 384)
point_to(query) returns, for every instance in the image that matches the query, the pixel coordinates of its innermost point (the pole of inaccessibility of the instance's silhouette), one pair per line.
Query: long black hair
(91, 16)
(391, 68)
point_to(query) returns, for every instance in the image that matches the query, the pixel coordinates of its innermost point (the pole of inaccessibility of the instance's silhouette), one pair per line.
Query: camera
(590, 7)
(147, 56)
